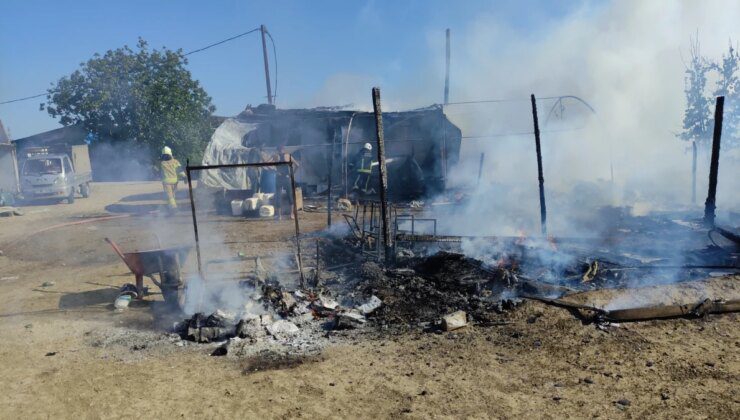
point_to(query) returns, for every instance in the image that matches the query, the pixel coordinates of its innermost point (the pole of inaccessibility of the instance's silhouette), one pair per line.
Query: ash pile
(275, 316)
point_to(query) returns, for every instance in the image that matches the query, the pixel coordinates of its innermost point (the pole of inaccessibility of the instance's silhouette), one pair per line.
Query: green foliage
(728, 86)
(144, 96)
(698, 121)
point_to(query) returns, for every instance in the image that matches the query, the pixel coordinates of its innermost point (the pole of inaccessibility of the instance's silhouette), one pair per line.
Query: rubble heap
(435, 286)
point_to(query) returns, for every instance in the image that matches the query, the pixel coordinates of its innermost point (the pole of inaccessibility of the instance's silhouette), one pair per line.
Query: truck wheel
(85, 190)
(71, 197)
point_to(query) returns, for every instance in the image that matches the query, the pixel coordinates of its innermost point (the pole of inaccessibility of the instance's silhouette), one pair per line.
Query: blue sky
(387, 43)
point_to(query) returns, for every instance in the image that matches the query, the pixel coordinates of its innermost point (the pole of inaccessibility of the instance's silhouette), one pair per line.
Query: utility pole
(263, 29)
(447, 67)
(710, 204)
(384, 213)
(540, 176)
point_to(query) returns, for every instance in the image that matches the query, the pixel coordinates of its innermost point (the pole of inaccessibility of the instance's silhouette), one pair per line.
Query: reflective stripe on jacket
(364, 162)
(170, 169)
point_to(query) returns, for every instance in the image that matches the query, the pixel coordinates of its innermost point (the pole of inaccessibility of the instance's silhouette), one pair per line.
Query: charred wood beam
(710, 204)
(333, 131)
(590, 313)
(540, 176)
(705, 307)
(384, 213)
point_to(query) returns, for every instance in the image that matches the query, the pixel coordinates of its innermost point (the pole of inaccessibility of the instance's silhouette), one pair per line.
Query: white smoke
(625, 58)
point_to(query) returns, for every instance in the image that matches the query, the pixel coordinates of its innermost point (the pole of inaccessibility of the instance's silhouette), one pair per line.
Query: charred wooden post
(480, 168)
(297, 226)
(540, 176)
(447, 67)
(710, 204)
(195, 221)
(384, 214)
(318, 265)
(331, 168)
(693, 172)
(263, 29)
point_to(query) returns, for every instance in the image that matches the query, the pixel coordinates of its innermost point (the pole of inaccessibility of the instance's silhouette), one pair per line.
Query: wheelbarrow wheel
(171, 296)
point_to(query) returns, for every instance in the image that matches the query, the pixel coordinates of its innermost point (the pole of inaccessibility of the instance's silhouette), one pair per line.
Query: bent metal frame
(189, 169)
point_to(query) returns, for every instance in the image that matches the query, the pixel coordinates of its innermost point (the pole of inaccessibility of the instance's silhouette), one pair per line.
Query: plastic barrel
(267, 182)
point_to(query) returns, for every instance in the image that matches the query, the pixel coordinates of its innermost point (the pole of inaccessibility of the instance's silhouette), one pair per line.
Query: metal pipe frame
(189, 169)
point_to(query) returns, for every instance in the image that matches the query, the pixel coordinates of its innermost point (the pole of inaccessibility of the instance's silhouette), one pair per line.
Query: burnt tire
(85, 190)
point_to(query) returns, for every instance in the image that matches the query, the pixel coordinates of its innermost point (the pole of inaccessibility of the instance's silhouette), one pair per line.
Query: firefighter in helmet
(171, 171)
(362, 164)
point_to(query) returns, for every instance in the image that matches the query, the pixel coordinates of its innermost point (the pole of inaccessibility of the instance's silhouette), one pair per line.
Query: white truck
(55, 172)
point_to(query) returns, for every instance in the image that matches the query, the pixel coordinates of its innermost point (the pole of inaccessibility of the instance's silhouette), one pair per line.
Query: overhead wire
(184, 55)
(221, 42)
(23, 99)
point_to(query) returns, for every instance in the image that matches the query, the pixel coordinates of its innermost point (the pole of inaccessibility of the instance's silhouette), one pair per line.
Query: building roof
(72, 134)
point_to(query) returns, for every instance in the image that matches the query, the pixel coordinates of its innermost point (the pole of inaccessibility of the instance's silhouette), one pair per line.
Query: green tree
(728, 85)
(146, 97)
(697, 121)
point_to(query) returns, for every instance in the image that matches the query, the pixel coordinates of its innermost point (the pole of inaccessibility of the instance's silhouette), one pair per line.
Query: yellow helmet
(166, 151)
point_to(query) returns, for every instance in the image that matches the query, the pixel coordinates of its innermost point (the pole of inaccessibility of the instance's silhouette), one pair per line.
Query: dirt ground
(61, 355)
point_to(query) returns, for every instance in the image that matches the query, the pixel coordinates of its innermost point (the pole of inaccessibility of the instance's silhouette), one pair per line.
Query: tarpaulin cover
(226, 147)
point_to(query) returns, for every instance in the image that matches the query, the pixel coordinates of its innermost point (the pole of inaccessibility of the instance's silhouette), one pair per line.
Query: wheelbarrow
(166, 262)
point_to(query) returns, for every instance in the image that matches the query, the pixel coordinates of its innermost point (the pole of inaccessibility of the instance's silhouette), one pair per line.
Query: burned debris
(398, 264)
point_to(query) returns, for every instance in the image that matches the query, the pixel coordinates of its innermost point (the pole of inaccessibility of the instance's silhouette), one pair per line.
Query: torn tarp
(226, 147)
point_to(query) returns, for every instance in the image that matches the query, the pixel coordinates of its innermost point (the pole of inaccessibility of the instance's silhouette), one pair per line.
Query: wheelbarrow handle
(120, 253)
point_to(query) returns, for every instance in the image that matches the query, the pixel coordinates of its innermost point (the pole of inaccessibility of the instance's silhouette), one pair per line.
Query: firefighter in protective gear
(362, 166)
(171, 171)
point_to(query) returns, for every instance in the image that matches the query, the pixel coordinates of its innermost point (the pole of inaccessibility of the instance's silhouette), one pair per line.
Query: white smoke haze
(625, 59)
(228, 258)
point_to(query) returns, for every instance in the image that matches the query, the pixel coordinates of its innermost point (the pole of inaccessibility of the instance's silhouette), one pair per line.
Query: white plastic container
(236, 207)
(122, 302)
(251, 204)
(267, 211)
(265, 199)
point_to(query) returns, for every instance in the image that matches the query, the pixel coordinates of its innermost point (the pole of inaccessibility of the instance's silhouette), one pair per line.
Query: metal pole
(297, 227)
(387, 240)
(263, 29)
(447, 67)
(693, 173)
(710, 204)
(540, 176)
(195, 221)
(480, 167)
